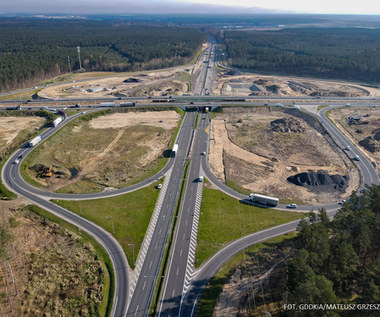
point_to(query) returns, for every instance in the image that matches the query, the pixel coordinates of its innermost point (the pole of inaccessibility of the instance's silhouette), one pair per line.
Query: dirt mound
(320, 181)
(286, 125)
(377, 135)
(370, 144)
(132, 80)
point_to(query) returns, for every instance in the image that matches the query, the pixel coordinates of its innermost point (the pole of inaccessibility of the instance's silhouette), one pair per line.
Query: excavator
(47, 172)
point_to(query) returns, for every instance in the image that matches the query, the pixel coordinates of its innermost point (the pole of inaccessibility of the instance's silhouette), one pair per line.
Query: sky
(191, 6)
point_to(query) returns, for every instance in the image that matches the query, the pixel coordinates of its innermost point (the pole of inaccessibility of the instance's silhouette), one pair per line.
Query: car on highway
(342, 202)
(159, 186)
(356, 158)
(348, 148)
(20, 156)
(203, 153)
(16, 161)
(291, 206)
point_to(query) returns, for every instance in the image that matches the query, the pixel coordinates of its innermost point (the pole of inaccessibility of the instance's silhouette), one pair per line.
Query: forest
(339, 53)
(337, 261)
(35, 49)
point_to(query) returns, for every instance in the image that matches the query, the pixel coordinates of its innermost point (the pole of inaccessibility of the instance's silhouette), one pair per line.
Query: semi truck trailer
(107, 104)
(127, 104)
(35, 141)
(266, 201)
(57, 121)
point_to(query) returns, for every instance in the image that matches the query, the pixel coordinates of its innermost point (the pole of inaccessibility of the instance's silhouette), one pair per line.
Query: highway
(201, 277)
(13, 181)
(183, 251)
(142, 295)
(17, 179)
(178, 266)
(182, 285)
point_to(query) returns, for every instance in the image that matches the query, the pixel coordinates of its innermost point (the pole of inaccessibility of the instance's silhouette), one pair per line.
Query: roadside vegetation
(40, 48)
(125, 216)
(327, 262)
(224, 219)
(56, 269)
(308, 52)
(337, 261)
(215, 286)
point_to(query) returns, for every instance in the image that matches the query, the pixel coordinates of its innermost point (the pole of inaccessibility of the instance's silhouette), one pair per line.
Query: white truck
(35, 141)
(57, 121)
(175, 149)
(266, 201)
(107, 104)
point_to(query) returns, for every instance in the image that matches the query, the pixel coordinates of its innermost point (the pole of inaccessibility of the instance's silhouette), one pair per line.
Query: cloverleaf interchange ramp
(176, 299)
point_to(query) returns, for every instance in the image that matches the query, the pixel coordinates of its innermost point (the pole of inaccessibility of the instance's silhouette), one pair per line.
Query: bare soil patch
(109, 151)
(54, 274)
(162, 119)
(259, 148)
(160, 83)
(362, 126)
(265, 85)
(10, 127)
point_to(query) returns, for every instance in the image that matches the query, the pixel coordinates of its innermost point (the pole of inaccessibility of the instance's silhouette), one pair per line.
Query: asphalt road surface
(142, 295)
(9, 173)
(183, 252)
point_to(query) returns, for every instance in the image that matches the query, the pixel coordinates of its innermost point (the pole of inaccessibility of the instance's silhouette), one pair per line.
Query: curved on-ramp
(191, 298)
(13, 180)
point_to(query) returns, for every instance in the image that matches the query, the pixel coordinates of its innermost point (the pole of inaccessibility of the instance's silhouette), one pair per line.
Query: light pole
(131, 244)
(113, 228)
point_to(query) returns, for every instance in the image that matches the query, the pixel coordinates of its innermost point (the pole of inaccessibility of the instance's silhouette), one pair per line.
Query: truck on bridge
(266, 201)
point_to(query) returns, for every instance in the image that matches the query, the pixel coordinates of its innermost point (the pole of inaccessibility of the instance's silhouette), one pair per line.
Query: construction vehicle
(47, 172)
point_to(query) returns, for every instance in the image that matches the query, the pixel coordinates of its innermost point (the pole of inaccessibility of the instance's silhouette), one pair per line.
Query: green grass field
(126, 216)
(224, 219)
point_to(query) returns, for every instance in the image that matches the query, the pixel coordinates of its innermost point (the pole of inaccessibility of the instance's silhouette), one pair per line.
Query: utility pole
(80, 63)
(68, 60)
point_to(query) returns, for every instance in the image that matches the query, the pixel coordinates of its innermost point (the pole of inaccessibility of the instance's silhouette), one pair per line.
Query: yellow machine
(48, 172)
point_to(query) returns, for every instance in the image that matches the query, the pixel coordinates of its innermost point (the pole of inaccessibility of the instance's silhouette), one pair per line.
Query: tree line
(36, 49)
(342, 53)
(337, 261)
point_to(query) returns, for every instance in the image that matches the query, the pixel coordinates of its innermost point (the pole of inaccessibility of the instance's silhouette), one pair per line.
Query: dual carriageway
(182, 285)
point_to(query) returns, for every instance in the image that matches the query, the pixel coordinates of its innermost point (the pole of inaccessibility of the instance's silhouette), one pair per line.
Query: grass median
(125, 216)
(224, 219)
